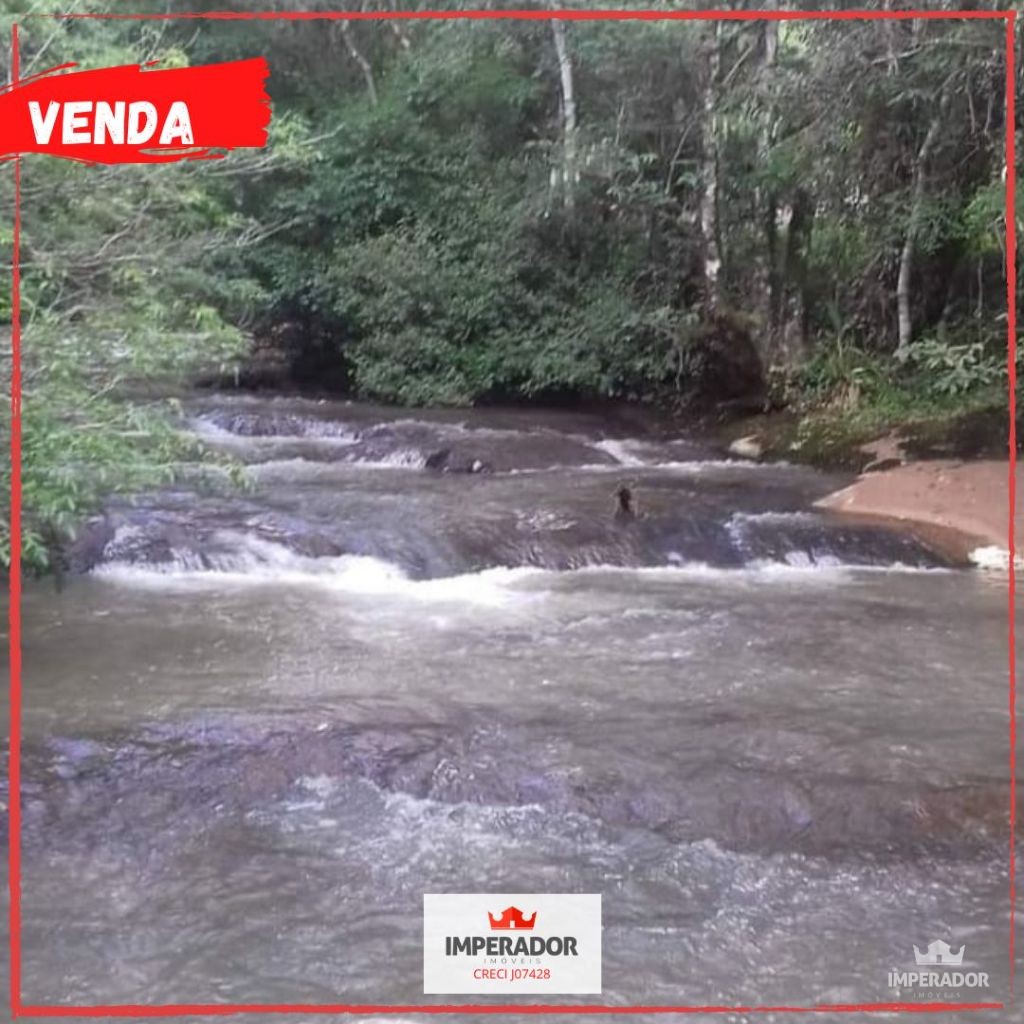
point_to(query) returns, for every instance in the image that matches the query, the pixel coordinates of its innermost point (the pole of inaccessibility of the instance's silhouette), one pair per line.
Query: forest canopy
(796, 213)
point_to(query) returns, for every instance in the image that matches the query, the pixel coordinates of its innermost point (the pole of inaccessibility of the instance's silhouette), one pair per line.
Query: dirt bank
(962, 506)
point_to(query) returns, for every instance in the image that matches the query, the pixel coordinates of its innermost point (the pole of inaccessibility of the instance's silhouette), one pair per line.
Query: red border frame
(19, 1009)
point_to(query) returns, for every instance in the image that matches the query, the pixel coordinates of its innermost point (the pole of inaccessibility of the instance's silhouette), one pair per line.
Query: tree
(709, 227)
(907, 253)
(354, 52)
(568, 97)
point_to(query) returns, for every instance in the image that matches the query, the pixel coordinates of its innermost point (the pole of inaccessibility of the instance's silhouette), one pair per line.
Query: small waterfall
(472, 499)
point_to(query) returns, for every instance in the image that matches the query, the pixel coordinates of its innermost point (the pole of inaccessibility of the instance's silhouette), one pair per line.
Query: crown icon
(511, 920)
(939, 952)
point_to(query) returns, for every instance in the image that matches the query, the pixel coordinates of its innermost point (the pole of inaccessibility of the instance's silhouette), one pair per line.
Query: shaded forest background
(805, 215)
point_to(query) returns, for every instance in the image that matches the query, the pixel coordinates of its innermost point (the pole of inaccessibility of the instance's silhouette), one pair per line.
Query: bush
(949, 369)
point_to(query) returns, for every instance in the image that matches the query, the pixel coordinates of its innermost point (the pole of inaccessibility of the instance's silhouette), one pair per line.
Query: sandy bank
(961, 506)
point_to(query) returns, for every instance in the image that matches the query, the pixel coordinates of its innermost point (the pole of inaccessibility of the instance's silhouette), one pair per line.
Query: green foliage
(430, 248)
(984, 219)
(939, 377)
(121, 299)
(422, 223)
(837, 370)
(956, 369)
(82, 438)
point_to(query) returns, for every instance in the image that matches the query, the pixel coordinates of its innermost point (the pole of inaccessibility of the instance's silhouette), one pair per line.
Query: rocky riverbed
(419, 652)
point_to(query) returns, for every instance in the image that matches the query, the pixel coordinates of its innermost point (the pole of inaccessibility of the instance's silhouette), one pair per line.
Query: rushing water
(422, 655)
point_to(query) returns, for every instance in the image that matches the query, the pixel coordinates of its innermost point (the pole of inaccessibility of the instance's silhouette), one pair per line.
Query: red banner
(133, 114)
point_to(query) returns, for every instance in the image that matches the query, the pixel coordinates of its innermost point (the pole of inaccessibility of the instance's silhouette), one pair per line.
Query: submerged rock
(209, 771)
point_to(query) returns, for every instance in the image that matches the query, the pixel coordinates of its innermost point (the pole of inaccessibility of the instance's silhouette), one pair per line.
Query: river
(418, 652)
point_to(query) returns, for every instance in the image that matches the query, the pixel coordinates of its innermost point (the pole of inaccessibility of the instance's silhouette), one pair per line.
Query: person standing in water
(625, 506)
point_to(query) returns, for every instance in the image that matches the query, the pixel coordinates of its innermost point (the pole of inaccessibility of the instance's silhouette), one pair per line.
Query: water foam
(401, 458)
(325, 432)
(238, 559)
(741, 519)
(630, 453)
(691, 466)
(245, 560)
(797, 566)
(620, 451)
(404, 458)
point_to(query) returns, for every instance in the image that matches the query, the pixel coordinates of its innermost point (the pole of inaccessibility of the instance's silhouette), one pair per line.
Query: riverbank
(943, 479)
(961, 506)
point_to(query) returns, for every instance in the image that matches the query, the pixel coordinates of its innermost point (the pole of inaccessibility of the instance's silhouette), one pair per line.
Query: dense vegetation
(799, 213)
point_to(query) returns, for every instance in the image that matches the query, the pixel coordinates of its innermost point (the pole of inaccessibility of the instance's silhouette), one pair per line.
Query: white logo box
(513, 943)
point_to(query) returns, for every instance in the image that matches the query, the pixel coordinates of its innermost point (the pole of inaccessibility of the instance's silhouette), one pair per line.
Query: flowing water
(420, 653)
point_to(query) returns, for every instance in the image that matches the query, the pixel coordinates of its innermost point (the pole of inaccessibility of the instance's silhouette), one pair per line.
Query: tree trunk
(709, 174)
(890, 28)
(569, 172)
(397, 30)
(770, 35)
(907, 255)
(364, 64)
(399, 35)
(792, 323)
(769, 280)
